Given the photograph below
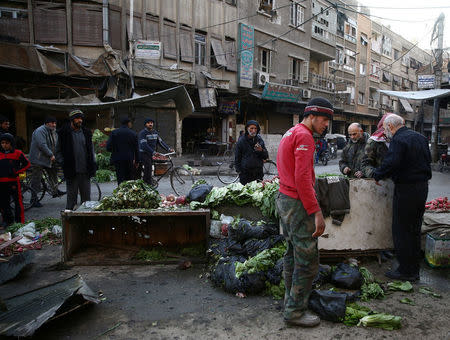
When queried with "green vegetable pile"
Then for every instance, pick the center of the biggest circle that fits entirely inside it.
(261, 261)
(131, 195)
(401, 286)
(105, 169)
(355, 312)
(275, 291)
(261, 195)
(104, 175)
(370, 289)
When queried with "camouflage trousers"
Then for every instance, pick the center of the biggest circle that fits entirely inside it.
(301, 261)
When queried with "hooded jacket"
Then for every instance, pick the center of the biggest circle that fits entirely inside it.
(12, 162)
(246, 157)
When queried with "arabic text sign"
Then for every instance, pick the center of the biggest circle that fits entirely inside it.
(282, 93)
(246, 41)
(147, 49)
(425, 82)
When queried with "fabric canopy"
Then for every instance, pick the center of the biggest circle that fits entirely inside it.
(418, 95)
(178, 94)
(406, 105)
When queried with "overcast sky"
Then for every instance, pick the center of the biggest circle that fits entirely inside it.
(413, 24)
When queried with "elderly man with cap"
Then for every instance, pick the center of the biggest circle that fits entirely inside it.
(353, 153)
(43, 157)
(123, 145)
(76, 154)
(149, 139)
(250, 154)
(300, 215)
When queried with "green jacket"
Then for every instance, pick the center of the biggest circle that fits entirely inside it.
(374, 155)
(352, 155)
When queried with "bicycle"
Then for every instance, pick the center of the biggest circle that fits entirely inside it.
(96, 193)
(227, 174)
(181, 179)
(28, 194)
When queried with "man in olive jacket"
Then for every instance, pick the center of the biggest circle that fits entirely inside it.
(353, 153)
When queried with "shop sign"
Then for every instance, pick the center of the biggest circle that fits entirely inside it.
(425, 81)
(245, 53)
(146, 49)
(207, 97)
(228, 107)
(282, 93)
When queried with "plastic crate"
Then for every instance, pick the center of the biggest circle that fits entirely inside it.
(437, 248)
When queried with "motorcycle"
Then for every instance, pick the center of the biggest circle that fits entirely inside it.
(324, 157)
(333, 151)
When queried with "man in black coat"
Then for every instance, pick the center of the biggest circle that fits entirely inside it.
(76, 153)
(123, 145)
(407, 162)
(250, 154)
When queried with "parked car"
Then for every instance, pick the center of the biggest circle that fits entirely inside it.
(341, 140)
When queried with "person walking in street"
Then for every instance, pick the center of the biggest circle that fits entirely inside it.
(408, 163)
(4, 125)
(149, 139)
(76, 154)
(250, 154)
(123, 145)
(375, 150)
(353, 153)
(43, 158)
(301, 218)
(12, 163)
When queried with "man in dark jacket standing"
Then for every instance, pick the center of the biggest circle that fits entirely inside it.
(76, 153)
(123, 144)
(250, 154)
(407, 162)
(353, 153)
(149, 139)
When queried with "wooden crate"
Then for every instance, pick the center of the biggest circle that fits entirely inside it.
(114, 237)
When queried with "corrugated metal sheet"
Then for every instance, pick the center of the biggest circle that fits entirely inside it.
(87, 24)
(50, 23)
(27, 312)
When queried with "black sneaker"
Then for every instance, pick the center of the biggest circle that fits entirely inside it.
(396, 275)
(37, 205)
(59, 193)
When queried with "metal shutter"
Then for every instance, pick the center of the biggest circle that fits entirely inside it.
(87, 24)
(50, 23)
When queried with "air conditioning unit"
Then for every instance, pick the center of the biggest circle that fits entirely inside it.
(262, 78)
(307, 94)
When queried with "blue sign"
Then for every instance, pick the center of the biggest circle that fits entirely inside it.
(245, 53)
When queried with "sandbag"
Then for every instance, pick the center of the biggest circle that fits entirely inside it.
(329, 305)
(346, 276)
(199, 193)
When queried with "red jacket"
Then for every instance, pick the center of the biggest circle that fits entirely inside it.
(295, 163)
(11, 164)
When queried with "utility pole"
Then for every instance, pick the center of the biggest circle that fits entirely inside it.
(438, 33)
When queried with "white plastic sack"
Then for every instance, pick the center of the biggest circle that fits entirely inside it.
(57, 230)
(226, 219)
(215, 229)
(28, 230)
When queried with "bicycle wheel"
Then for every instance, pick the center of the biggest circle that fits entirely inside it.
(270, 169)
(181, 181)
(226, 173)
(324, 160)
(28, 197)
(96, 193)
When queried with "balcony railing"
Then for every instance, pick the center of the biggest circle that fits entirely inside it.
(321, 82)
(372, 103)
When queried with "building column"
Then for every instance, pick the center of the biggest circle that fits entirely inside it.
(20, 117)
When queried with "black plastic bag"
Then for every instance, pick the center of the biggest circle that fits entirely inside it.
(328, 304)
(245, 230)
(275, 274)
(224, 275)
(226, 247)
(199, 192)
(346, 276)
(253, 283)
(255, 246)
(323, 276)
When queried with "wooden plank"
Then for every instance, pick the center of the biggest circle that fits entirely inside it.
(138, 213)
(7, 243)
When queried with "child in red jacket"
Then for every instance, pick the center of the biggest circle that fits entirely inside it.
(12, 163)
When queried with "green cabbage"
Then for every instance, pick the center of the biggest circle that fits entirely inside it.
(381, 320)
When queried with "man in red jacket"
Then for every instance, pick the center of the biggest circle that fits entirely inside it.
(300, 215)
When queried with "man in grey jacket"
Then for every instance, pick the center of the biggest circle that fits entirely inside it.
(42, 157)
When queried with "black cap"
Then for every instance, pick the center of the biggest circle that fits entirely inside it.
(3, 119)
(149, 120)
(50, 120)
(124, 120)
(7, 136)
(319, 107)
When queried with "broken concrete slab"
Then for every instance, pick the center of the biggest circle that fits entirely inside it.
(27, 312)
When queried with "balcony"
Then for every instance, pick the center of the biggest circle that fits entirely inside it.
(321, 82)
(372, 103)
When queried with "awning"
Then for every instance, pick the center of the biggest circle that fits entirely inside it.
(418, 95)
(406, 105)
(178, 94)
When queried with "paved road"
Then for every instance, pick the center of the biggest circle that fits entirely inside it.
(439, 186)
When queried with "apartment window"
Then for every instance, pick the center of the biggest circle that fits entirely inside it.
(265, 57)
(349, 60)
(341, 17)
(375, 70)
(200, 48)
(364, 41)
(339, 59)
(386, 46)
(376, 42)
(362, 69)
(298, 70)
(350, 31)
(396, 54)
(266, 5)
(297, 14)
(361, 98)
